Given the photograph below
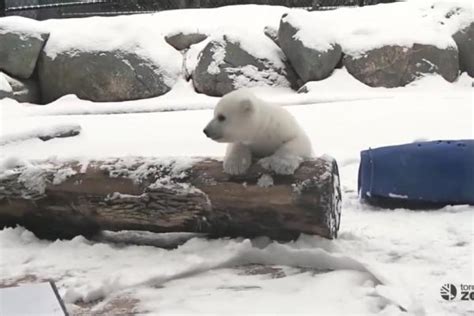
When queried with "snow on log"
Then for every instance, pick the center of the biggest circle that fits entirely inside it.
(62, 199)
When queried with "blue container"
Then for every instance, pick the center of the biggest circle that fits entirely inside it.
(418, 175)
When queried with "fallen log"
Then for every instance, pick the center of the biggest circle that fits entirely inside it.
(62, 199)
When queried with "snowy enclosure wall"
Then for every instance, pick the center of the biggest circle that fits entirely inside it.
(143, 56)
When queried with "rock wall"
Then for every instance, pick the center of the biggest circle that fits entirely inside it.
(35, 67)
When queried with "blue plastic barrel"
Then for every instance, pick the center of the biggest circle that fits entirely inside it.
(418, 175)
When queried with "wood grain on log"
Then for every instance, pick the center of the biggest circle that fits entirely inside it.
(65, 199)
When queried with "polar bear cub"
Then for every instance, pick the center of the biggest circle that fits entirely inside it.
(255, 129)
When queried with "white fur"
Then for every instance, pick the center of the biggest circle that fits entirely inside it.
(256, 129)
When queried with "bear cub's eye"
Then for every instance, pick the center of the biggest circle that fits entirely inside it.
(221, 118)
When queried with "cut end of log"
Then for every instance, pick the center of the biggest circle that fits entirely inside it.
(65, 199)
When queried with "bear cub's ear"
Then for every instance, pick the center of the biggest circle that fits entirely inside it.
(246, 105)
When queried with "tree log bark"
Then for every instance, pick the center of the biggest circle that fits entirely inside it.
(64, 199)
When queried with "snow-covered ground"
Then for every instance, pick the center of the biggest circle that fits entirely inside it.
(384, 261)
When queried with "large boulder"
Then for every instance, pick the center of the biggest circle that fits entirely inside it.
(226, 64)
(22, 90)
(102, 76)
(395, 66)
(182, 41)
(465, 41)
(21, 41)
(311, 62)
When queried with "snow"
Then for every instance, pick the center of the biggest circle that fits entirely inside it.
(98, 34)
(62, 174)
(257, 45)
(139, 168)
(260, 46)
(215, 267)
(22, 26)
(47, 130)
(191, 57)
(360, 29)
(383, 261)
(218, 55)
(144, 34)
(265, 181)
(33, 179)
(250, 76)
(4, 84)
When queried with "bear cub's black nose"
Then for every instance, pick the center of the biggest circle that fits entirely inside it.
(206, 132)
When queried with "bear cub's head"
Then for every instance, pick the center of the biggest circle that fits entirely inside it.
(234, 118)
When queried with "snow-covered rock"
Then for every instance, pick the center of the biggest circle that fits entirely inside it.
(311, 62)
(384, 31)
(465, 41)
(271, 33)
(181, 41)
(231, 62)
(98, 59)
(395, 66)
(22, 90)
(21, 41)
(102, 76)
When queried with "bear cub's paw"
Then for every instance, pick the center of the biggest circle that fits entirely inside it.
(284, 165)
(236, 165)
(237, 160)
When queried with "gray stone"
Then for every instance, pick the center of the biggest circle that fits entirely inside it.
(19, 51)
(310, 64)
(101, 76)
(465, 41)
(22, 90)
(396, 66)
(303, 89)
(181, 41)
(225, 66)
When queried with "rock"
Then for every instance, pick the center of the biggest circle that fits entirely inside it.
(303, 89)
(113, 75)
(309, 63)
(272, 34)
(225, 65)
(21, 41)
(182, 41)
(22, 90)
(465, 41)
(396, 66)
(316, 5)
